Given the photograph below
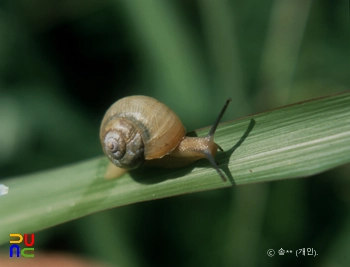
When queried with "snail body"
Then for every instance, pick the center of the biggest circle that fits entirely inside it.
(141, 130)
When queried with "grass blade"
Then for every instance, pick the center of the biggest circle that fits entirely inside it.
(293, 141)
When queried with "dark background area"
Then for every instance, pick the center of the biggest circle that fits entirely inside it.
(63, 63)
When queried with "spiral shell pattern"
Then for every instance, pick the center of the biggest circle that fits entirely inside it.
(139, 128)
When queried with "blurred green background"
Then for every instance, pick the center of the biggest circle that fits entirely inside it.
(63, 63)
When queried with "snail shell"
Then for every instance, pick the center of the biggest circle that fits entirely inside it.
(139, 128)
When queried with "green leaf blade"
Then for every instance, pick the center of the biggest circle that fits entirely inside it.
(293, 141)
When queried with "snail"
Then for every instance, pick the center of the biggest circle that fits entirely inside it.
(140, 130)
